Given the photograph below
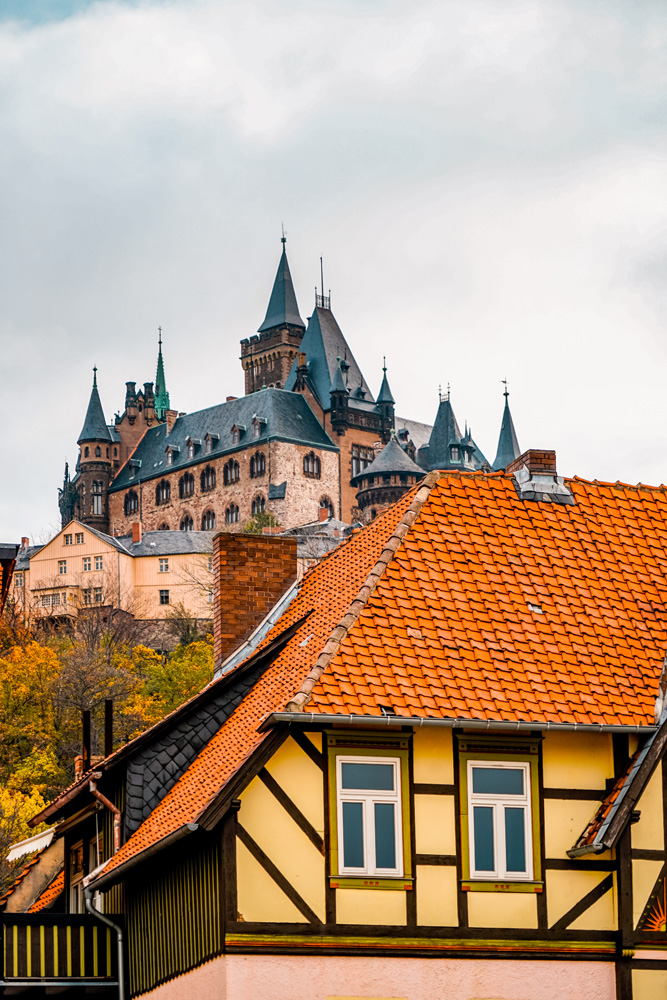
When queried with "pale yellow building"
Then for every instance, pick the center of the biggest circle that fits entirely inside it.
(144, 574)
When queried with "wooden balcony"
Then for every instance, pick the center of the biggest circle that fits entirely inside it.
(42, 951)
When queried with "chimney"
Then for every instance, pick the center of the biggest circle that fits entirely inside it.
(25, 542)
(136, 532)
(251, 573)
(324, 514)
(230, 399)
(170, 417)
(536, 477)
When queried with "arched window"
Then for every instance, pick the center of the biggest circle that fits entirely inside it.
(312, 467)
(191, 450)
(208, 446)
(257, 465)
(115, 453)
(131, 503)
(186, 485)
(98, 488)
(163, 492)
(232, 514)
(258, 505)
(207, 479)
(163, 527)
(98, 452)
(170, 457)
(231, 472)
(86, 452)
(187, 524)
(326, 504)
(208, 521)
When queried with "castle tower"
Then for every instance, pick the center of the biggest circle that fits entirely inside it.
(385, 480)
(508, 445)
(267, 358)
(94, 465)
(447, 447)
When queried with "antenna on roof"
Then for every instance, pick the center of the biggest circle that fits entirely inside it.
(448, 391)
(506, 392)
(94, 376)
(322, 276)
(384, 364)
(440, 393)
(283, 238)
(159, 335)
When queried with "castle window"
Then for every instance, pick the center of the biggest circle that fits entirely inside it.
(107, 452)
(131, 503)
(257, 465)
(62, 566)
(191, 450)
(68, 539)
(187, 524)
(164, 565)
(231, 472)
(78, 538)
(86, 564)
(86, 452)
(361, 458)
(164, 597)
(163, 527)
(232, 514)
(115, 453)
(312, 466)
(97, 497)
(258, 505)
(98, 452)
(186, 485)
(98, 562)
(208, 446)
(256, 429)
(170, 457)
(454, 452)
(208, 521)
(163, 492)
(207, 479)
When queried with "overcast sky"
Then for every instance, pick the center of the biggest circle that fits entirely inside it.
(486, 180)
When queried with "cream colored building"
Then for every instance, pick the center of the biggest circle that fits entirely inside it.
(144, 574)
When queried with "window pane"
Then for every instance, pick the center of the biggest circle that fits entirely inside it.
(483, 824)
(353, 835)
(379, 777)
(385, 835)
(497, 780)
(515, 839)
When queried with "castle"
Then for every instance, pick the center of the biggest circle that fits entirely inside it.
(308, 439)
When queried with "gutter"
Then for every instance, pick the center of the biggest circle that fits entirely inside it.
(323, 719)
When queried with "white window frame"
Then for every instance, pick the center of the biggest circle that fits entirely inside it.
(99, 562)
(163, 565)
(62, 567)
(369, 797)
(498, 803)
(86, 564)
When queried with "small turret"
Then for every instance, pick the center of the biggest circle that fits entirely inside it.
(94, 464)
(385, 404)
(508, 445)
(385, 480)
(161, 401)
(68, 499)
(339, 400)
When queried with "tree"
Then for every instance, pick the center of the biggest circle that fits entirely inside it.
(264, 519)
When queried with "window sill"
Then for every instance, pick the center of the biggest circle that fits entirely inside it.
(364, 882)
(473, 885)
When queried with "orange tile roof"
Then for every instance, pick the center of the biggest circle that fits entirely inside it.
(464, 602)
(17, 881)
(50, 894)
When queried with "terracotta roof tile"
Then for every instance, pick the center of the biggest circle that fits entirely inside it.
(50, 894)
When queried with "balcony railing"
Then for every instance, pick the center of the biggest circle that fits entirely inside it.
(51, 948)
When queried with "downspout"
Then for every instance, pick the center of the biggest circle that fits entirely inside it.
(88, 895)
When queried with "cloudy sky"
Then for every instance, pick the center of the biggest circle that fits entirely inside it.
(486, 180)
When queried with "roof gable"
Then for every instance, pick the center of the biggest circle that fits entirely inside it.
(323, 344)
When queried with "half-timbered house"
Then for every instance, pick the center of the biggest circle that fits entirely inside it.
(433, 768)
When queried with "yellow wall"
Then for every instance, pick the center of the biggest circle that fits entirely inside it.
(648, 833)
(564, 821)
(502, 909)
(370, 906)
(297, 775)
(649, 985)
(577, 760)
(433, 756)
(435, 824)
(566, 888)
(436, 889)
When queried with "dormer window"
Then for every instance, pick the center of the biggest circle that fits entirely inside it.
(170, 457)
(191, 450)
(455, 453)
(171, 450)
(210, 441)
(238, 430)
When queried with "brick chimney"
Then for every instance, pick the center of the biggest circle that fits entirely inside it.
(537, 478)
(250, 572)
(324, 514)
(137, 532)
(170, 418)
(25, 542)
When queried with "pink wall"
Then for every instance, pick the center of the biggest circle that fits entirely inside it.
(285, 977)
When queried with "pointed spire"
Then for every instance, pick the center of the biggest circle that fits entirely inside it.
(384, 395)
(508, 445)
(283, 309)
(161, 394)
(94, 426)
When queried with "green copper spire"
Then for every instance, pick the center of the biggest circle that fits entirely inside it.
(161, 394)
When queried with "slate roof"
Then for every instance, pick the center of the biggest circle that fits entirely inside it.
(461, 604)
(288, 418)
(282, 309)
(385, 395)
(94, 426)
(323, 343)
(25, 555)
(508, 445)
(392, 459)
(446, 432)
(418, 431)
(168, 543)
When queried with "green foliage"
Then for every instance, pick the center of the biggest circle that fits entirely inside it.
(256, 525)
